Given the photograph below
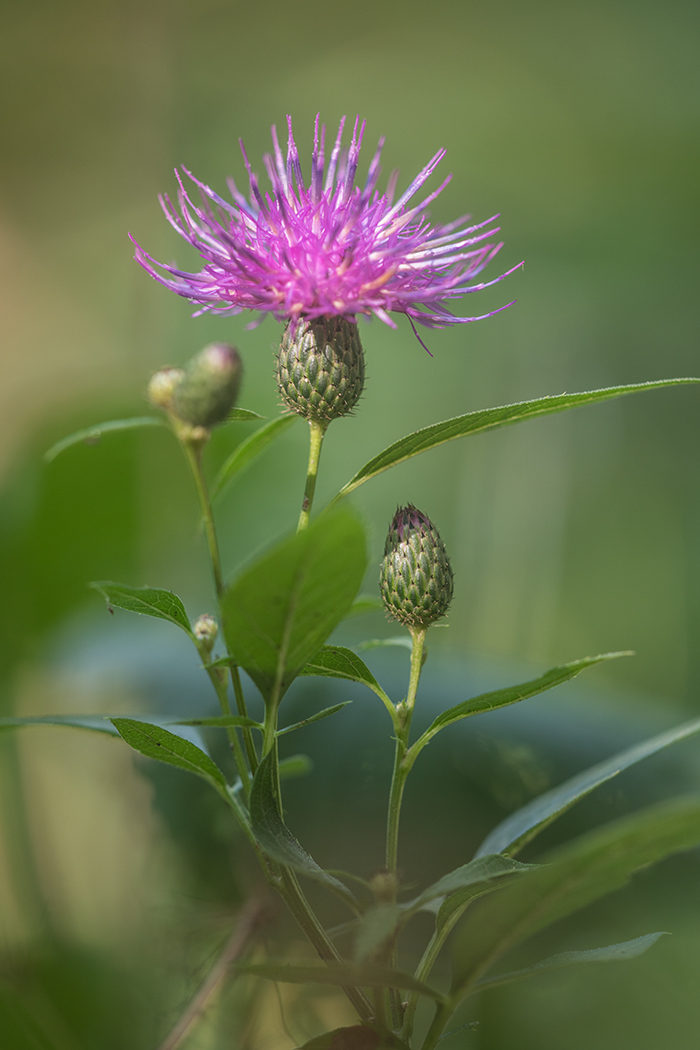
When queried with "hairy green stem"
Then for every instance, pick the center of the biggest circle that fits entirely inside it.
(193, 454)
(317, 432)
(398, 783)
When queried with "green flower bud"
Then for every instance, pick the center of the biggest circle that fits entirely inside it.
(162, 386)
(321, 368)
(209, 387)
(205, 630)
(416, 581)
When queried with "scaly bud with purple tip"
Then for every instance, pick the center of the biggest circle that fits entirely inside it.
(209, 388)
(321, 368)
(416, 581)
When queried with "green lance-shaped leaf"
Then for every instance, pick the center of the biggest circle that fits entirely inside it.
(279, 612)
(242, 415)
(95, 723)
(478, 874)
(273, 835)
(335, 661)
(570, 877)
(367, 975)
(401, 641)
(149, 601)
(295, 766)
(218, 722)
(503, 697)
(314, 718)
(489, 419)
(244, 454)
(621, 952)
(520, 827)
(156, 742)
(92, 435)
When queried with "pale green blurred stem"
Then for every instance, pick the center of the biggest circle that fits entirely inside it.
(402, 725)
(317, 432)
(426, 964)
(193, 454)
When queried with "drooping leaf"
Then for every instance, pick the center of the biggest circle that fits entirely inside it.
(242, 415)
(612, 953)
(149, 601)
(489, 419)
(314, 718)
(159, 743)
(571, 877)
(364, 603)
(511, 695)
(218, 722)
(403, 641)
(520, 827)
(92, 435)
(244, 454)
(295, 766)
(279, 612)
(96, 723)
(376, 928)
(368, 975)
(274, 836)
(335, 661)
(475, 873)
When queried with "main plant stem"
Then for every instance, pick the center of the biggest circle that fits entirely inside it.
(426, 964)
(402, 724)
(317, 432)
(193, 453)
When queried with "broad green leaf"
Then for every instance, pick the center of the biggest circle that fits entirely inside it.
(219, 722)
(365, 603)
(571, 877)
(314, 718)
(489, 419)
(242, 415)
(274, 836)
(246, 452)
(96, 723)
(613, 953)
(503, 697)
(403, 641)
(335, 661)
(149, 601)
(376, 928)
(295, 766)
(358, 1036)
(278, 613)
(156, 742)
(369, 975)
(478, 871)
(92, 435)
(520, 827)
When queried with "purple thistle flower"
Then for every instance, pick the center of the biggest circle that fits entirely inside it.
(331, 248)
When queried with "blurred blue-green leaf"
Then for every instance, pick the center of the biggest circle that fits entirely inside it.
(92, 435)
(244, 454)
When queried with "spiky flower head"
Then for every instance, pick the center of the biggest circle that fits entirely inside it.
(326, 248)
(321, 368)
(415, 581)
(209, 388)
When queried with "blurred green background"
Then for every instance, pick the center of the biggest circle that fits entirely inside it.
(578, 122)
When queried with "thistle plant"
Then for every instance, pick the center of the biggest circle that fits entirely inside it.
(318, 255)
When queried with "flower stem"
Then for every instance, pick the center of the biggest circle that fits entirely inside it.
(317, 432)
(193, 454)
(426, 964)
(404, 714)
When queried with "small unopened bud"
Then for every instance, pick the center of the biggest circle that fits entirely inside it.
(321, 368)
(416, 580)
(205, 630)
(162, 386)
(209, 387)
(384, 886)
